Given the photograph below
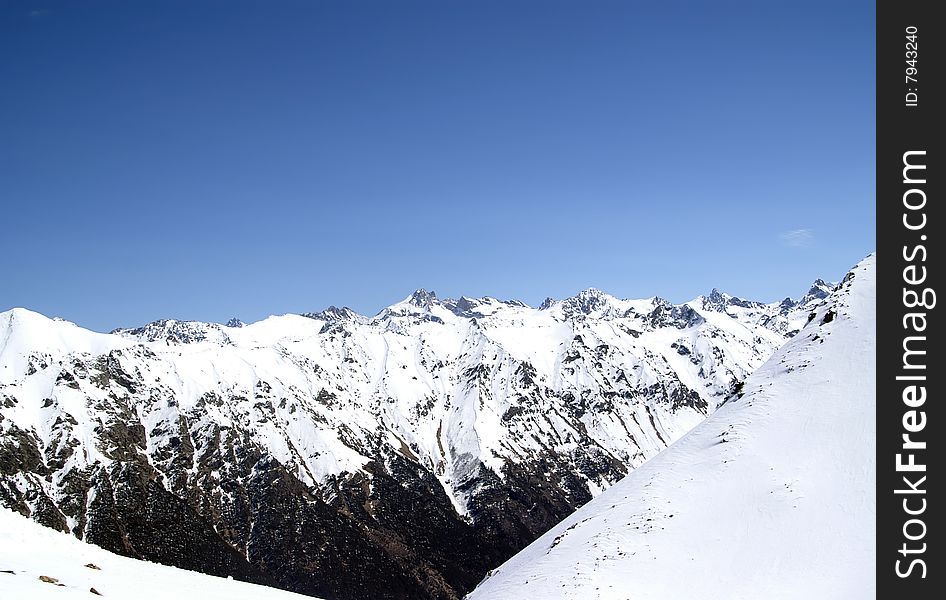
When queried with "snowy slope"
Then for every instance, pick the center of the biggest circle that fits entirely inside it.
(29, 551)
(770, 497)
(432, 440)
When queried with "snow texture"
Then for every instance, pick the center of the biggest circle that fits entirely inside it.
(29, 551)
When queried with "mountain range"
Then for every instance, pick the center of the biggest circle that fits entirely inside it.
(403, 455)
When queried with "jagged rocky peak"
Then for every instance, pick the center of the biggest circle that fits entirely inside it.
(586, 303)
(590, 300)
(465, 307)
(719, 301)
(180, 332)
(475, 308)
(716, 300)
(418, 307)
(425, 305)
(334, 314)
(465, 303)
(235, 323)
(423, 299)
(819, 289)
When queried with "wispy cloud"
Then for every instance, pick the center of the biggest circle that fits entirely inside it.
(36, 14)
(798, 238)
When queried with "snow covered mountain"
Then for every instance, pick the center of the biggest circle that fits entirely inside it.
(394, 456)
(770, 497)
(37, 563)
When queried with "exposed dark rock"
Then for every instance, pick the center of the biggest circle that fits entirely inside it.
(423, 299)
(668, 315)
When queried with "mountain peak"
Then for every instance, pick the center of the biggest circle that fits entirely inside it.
(819, 289)
(719, 301)
(23, 313)
(475, 308)
(172, 330)
(423, 298)
(333, 314)
(587, 301)
(463, 306)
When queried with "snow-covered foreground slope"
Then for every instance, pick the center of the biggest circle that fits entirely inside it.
(771, 497)
(29, 551)
(346, 456)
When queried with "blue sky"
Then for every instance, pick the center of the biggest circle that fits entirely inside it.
(205, 159)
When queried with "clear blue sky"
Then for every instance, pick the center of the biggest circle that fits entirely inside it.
(205, 160)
